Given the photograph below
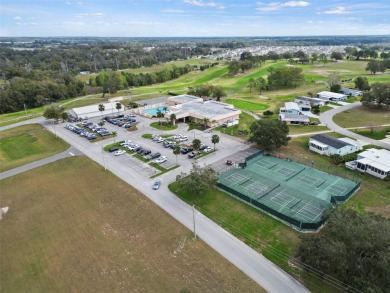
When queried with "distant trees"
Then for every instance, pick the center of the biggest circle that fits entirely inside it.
(376, 66)
(378, 95)
(336, 55)
(353, 248)
(269, 134)
(207, 90)
(285, 77)
(362, 84)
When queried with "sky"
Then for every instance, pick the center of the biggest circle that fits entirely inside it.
(192, 18)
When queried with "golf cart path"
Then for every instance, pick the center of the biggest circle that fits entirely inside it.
(68, 153)
(326, 118)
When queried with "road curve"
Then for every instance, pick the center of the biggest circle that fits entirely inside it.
(326, 118)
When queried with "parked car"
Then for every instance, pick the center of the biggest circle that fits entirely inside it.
(184, 138)
(160, 140)
(203, 147)
(208, 149)
(161, 160)
(156, 184)
(114, 149)
(119, 152)
(193, 155)
(153, 156)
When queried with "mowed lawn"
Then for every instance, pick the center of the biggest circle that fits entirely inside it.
(28, 143)
(73, 227)
(363, 116)
(245, 105)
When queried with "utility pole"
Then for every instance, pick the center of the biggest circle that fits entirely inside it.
(104, 162)
(54, 126)
(193, 216)
(25, 109)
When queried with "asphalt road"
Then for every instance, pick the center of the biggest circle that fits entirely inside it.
(265, 273)
(326, 118)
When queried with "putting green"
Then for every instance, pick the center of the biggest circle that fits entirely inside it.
(245, 105)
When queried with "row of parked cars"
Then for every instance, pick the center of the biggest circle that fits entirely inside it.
(146, 153)
(96, 128)
(167, 143)
(121, 120)
(83, 132)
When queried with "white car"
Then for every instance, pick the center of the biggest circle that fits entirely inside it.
(119, 153)
(161, 160)
(208, 149)
(126, 142)
(177, 136)
(133, 147)
(184, 138)
(160, 140)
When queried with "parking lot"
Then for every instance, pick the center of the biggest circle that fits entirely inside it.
(225, 148)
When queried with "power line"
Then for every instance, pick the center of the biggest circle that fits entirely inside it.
(285, 257)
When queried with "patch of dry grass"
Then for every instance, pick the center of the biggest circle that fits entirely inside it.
(363, 116)
(72, 227)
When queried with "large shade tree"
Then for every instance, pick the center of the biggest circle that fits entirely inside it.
(269, 134)
(353, 248)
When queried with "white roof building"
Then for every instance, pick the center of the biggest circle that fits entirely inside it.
(330, 96)
(93, 110)
(374, 162)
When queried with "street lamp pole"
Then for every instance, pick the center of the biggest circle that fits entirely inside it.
(193, 217)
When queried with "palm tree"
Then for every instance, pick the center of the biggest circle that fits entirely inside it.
(215, 140)
(159, 116)
(205, 120)
(114, 134)
(176, 152)
(118, 106)
(101, 109)
(173, 118)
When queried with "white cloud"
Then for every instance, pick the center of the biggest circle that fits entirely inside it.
(273, 6)
(172, 11)
(97, 14)
(17, 18)
(200, 3)
(67, 3)
(337, 10)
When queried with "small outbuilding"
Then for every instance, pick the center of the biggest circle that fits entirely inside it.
(327, 145)
(312, 101)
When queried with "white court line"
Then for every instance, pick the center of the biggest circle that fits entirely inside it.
(342, 188)
(303, 208)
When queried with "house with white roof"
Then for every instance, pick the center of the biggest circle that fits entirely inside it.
(327, 145)
(93, 111)
(330, 96)
(351, 92)
(310, 100)
(292, 113)
(372, 161)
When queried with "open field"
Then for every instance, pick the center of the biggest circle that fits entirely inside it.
(26, 144)
(363, 116)
(245, 105)
(95, 233)
(377, 133)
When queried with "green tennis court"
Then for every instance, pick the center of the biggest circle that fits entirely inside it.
(296, 194)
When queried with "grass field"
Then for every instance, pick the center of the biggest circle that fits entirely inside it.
(28, 143)
(95, 233)
(245, 105)
(363, 116)
(375, 133)
(163, 126)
